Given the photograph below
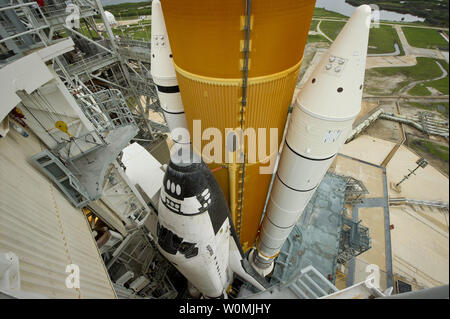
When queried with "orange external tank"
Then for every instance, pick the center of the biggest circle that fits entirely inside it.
(237, 64)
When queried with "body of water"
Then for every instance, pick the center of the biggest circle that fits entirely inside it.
(339, 6)
(342, 7)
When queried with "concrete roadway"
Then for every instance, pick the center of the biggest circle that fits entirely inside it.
(409, 50)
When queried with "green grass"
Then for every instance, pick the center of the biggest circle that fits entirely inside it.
(130, 9)
(314, 24)
(316, 38)
(437, 151)
(441, 85)
(424, 38)
(331, 28)
(134, 31)
(425, 69)
(382, 40)
(419, 90)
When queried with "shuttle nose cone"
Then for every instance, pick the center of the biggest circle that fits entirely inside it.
(183, 158)
(188, 176)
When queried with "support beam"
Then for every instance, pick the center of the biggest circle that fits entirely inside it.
(90, 40)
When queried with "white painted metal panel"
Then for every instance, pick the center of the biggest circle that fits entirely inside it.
(143, 169)
(164, 76)
(28, 73)
(43, 229)
(51, 103)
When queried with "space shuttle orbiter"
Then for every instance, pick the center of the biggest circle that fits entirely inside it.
(195, 232)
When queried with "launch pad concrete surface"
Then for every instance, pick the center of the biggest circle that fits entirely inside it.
(418, 235)
(370, 176)
(373, 217)
(372, 210)
(420, 248)
(428, 183)
(369, 149)
(420, 238)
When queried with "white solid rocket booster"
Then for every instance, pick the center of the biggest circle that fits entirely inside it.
(163, 73)
(321, 121)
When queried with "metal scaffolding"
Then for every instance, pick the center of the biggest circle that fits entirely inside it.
(354, 191)
(108, 78)
(354, 240)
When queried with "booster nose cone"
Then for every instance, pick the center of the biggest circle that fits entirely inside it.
(163, 71)
(335, 88)
(331, 98)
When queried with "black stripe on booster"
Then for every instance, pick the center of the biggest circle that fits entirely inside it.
(308, 158)
(182, 112)
(168, 89)
(295, 190)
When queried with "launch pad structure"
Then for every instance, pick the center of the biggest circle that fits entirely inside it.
(101, 90)
(80, 106)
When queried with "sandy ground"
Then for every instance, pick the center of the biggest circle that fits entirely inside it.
(383, 129)
(387, 130)
(390, 61)
(382, 85)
